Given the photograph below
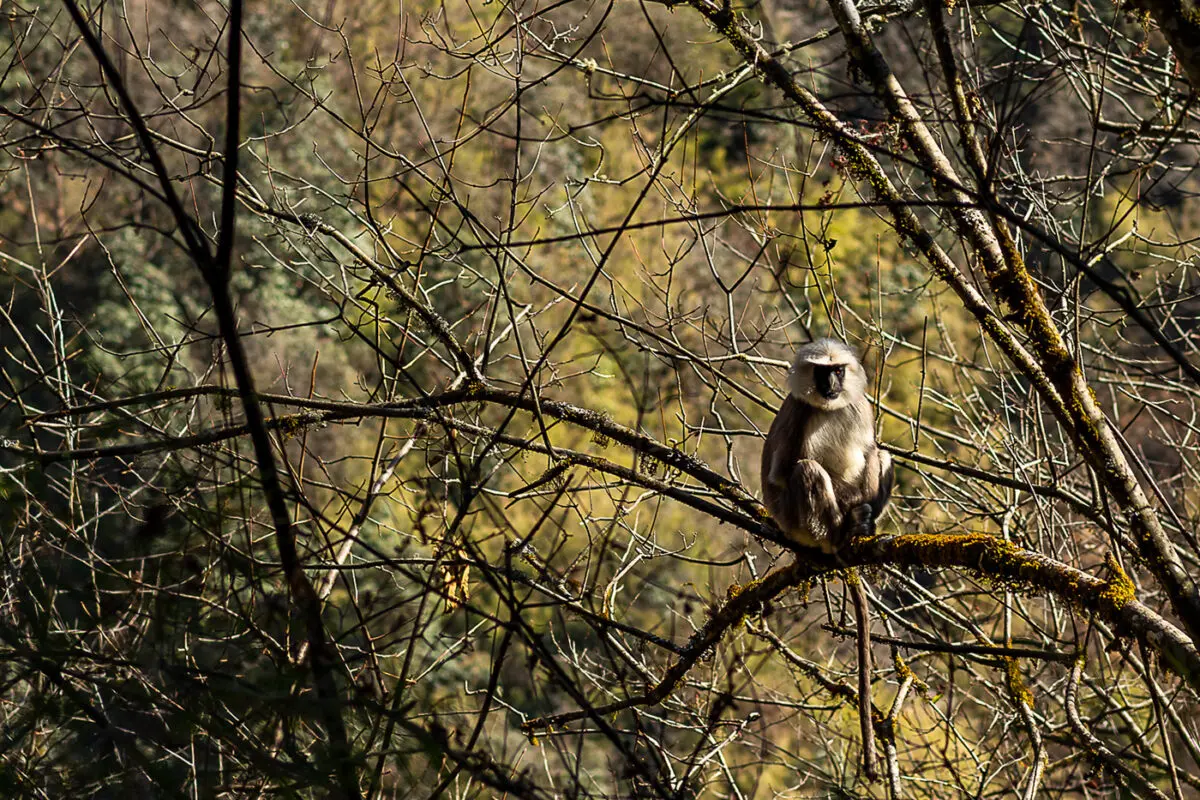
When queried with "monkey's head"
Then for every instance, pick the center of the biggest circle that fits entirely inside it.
(827, 375)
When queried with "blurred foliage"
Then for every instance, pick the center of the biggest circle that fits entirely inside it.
(607, 209)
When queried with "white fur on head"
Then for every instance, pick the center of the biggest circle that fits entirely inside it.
(828, 353)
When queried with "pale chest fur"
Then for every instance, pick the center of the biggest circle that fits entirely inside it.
(839, 441)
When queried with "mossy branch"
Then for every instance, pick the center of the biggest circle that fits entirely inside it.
(1009, 278)
(1111, 599)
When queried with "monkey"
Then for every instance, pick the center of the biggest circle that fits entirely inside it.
(825, 479)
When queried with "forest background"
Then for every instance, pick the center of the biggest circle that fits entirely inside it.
(382, 387)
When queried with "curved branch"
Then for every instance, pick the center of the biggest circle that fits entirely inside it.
(324, 411)
(1112, 600)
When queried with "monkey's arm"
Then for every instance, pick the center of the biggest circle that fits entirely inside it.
(798, 493)
(805, 506)
(782, 448)
(887, 479)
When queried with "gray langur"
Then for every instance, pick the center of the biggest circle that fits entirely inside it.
(824, 478)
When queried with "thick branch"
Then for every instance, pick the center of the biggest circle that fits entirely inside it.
(1112, 600)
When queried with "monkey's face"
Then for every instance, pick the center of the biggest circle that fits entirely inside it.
(827, 380)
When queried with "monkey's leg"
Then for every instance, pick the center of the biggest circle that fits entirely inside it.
(858, 524)
(811, 500)
(865, 504)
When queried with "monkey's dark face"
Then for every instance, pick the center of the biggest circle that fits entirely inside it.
(827, 375)
(829, 380)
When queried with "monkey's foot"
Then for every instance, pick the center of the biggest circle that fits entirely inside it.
(859, 523)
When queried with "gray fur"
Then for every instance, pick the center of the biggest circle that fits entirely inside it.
(820, 461)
